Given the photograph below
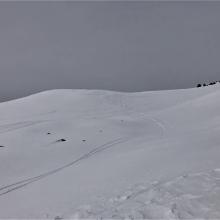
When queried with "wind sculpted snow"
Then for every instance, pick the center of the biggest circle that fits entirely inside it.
(103, 154)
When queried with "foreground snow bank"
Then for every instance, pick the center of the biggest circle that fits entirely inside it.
(190, 196)
(102, 154)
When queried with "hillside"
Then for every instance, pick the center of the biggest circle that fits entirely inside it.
(104, 154)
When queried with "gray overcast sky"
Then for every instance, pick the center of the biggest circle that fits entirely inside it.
(125, 46)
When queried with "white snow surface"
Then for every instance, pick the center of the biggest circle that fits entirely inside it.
(126, 155)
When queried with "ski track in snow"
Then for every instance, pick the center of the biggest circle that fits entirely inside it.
(15, 126)
(191, 196)
(20, 184)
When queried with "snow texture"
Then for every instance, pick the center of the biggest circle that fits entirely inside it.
(102, 154)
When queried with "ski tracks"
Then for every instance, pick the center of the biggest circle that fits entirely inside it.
(15, 126)
(20, 184)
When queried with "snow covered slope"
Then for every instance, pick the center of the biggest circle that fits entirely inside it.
(102, 154)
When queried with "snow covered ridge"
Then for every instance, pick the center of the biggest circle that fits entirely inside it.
(102, 154)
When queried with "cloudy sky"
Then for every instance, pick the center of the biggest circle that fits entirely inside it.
(124, 46)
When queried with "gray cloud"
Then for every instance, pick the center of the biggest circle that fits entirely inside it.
(123, 46)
